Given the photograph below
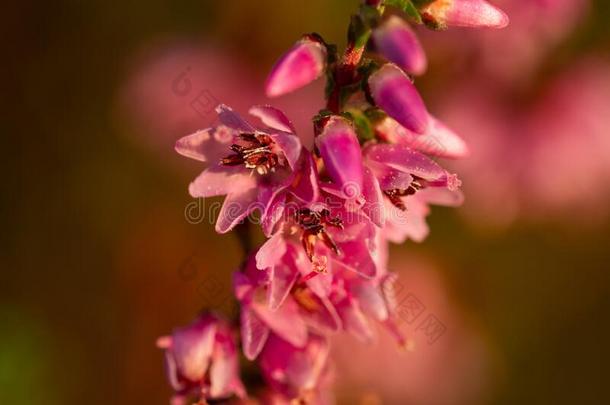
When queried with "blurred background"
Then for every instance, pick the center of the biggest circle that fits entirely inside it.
(98, 259)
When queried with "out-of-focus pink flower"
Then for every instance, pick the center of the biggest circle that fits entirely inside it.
(568, 140)
(295, 373)
(251, 166)
(393, 91)
(201, 360)
(464, 13)
(339, 148)
(301, 65)
(518, 166)
(396, 41)
(445, 359)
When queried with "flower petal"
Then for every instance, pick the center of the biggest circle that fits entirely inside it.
(231, 119)
(290, 146)
(393, 91)
(301, 65)
(339, 147)
(373, 206)
(192, 348)
(404, 159)
(235, 208)
(305, 181)
(398, 43)
(438, 140)
(207, 145)
(465, 13)
(286, 321)
(254, 333)
(220, 180)
(272, 251)
(273, 118)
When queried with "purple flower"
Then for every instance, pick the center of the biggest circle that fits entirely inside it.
(201, 360)
(340, 150)
(301, 65)
(398, 43)
(295, 372)
(254, 167)
(393, 92)
(464, 13)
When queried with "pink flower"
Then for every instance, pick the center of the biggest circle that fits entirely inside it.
(451, 370)
(340, 150)
(333, 233)
(409, 181)
(464, 13)
(393, 92)
(295, 372)
(301, 65)
(201, 359)
(253, 167)
(398, 43)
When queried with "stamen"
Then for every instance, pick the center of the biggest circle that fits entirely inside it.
(313, 224)
(395, 194)
(256, 154)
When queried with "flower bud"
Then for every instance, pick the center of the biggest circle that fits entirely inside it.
(393, 92)
(464, 13)
(398, 43)
(339, 147)
(301, 65)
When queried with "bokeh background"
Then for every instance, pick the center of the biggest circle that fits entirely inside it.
(98, 258)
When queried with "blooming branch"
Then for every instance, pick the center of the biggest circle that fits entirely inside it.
(328, 214)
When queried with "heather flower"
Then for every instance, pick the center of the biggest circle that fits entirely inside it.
(252, 166)
(301, 65)
(396, 40)
(410, 182)
(464, 13)
(201, 360)
(331, 233)
(394, 92)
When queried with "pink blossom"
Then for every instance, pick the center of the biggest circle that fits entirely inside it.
(393, 91)
(301, 65)
(396, 41)
(201, 360)
(410, 182)
(464, 13)
(253, 167)
(330, 232)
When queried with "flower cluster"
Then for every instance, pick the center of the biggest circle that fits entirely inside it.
(329, 213)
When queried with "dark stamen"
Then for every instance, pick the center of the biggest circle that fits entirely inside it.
(313, 224)
(395, 194)
(255, 153)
